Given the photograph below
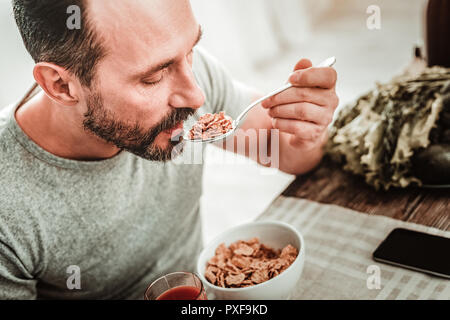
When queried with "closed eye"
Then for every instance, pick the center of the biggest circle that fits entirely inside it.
(155, 79)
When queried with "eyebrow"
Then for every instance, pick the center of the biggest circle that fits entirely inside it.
(166, 64)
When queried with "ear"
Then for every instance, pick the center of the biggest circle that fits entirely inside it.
(58, 83)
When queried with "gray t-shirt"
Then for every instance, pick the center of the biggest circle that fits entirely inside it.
(123, 221)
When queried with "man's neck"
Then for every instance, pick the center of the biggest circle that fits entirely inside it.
(58, 130)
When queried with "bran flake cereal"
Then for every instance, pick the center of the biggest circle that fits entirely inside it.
(247, 263)
(210, 126)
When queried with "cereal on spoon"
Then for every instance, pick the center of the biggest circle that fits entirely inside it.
(210, 126)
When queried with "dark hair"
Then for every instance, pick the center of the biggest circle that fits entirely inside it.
(43, 26)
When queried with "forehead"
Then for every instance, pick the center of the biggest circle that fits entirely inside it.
(138, 32)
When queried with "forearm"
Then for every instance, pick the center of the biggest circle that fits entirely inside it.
(258, 140)
(290, 159)
(272, 149)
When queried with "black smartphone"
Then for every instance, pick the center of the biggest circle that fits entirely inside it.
(417, 251)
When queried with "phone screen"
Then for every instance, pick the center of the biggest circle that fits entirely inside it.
(416, 250)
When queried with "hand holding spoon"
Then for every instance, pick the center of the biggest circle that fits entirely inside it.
(238, 121)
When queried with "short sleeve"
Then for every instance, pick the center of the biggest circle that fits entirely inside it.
(15, 281)
(222, 92)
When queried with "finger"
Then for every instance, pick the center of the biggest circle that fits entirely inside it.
(303, 64)
(314, 77)
(303, 130)
(322, 97)
(303, 111)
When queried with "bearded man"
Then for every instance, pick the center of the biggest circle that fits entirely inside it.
(88, 181)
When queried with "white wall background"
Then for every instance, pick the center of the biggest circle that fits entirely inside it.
(260, 41)
(15, 62)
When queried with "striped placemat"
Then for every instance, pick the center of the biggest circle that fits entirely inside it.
(339, 245)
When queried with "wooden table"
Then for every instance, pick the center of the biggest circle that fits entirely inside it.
(330, 184)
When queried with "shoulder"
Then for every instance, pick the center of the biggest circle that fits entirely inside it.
(6, 136)
(16, 221)
(222, 91)
(204, 63)
(22, 234)
(24, 228)
(10, 150)
(209, 72)
(5, 113)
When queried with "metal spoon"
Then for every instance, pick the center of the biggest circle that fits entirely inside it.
(238, 122)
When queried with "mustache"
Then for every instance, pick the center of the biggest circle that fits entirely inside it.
(129, 136)
(168, 122)
(174, 118)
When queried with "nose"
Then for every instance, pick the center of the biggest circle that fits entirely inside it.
(186, 93)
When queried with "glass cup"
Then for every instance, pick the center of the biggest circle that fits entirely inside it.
(176, 286)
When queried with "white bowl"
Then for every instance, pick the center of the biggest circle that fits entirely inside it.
(274, 234)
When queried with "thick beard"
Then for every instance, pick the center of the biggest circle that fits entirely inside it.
(131, 137)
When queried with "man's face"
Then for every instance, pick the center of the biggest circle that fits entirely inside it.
(144, 87)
